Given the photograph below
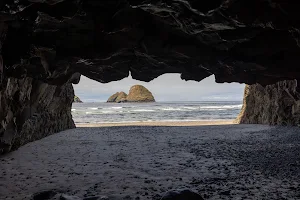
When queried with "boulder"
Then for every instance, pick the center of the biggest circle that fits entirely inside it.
(181, 195)
(139, 93)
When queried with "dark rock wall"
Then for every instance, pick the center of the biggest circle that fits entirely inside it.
(277, 104)
(31, 110)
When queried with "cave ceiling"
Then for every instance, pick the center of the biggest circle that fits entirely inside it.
(246, 41)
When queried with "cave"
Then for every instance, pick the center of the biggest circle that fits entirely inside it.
(43, 52)
(46, 45)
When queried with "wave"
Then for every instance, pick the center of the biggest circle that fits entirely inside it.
(191, 108)
(91, 108)
(116, 107)
(107, 111)
(171, 109)
(209, 109)
(73, 109)
(223, 107)
(143, 110)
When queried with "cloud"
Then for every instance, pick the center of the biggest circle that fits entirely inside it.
(168, 87)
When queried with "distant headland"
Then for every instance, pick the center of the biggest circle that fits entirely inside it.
(77, 100)
(137, 93)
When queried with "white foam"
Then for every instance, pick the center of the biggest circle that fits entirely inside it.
(171, 109)
(114, 122)
(93, 108)
(107, 111)
(116, 107)
(222, 107)
(73, 109)
(143, 110)
(191, 108)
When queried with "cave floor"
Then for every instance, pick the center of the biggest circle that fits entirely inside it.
(218, 162)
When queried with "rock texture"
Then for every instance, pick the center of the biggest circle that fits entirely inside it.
(122, 97)
(139, 93)
(77, 100)
(277, 104)
(118, 97)
(31, 110)
(113, 98)
(250, 41)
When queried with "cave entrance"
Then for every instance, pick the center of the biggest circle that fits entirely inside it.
(176, 101)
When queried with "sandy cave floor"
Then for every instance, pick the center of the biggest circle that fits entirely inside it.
(143, 162)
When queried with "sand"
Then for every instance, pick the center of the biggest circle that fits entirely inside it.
(143, 162)
(160, 123)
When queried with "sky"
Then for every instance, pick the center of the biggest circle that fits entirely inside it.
(167, 87)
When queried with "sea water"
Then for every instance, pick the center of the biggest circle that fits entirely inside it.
(153, 112)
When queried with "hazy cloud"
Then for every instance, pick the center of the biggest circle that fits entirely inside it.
(168, 87)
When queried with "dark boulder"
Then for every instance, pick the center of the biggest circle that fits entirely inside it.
(181, 195)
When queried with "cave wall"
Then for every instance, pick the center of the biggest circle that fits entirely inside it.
(277, 104)
(31, 110)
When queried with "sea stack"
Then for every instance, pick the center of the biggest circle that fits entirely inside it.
(137, 93)
(118, 97)
(77, 100)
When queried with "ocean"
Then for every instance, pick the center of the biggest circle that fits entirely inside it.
(153, 112)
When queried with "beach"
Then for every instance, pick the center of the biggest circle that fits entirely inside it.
(144, 162)
(158, 123)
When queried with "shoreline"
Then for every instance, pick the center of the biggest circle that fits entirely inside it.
(158, 123)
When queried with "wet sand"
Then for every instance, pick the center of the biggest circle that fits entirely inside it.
(160, 123)
(143, 162)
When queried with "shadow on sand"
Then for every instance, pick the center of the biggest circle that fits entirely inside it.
(144, 162)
